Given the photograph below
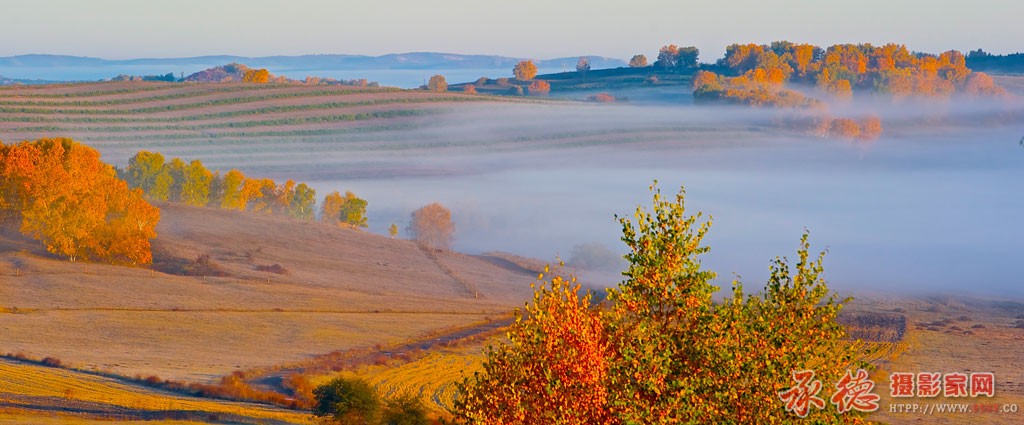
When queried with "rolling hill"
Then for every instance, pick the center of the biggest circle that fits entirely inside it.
(342, 289)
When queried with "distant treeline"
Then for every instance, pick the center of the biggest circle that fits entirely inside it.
(983, 61)
(193, 184)
(236, 72)
(759, 71)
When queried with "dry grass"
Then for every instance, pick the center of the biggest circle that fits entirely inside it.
(32, 386)
(943, 336)
(345, 289)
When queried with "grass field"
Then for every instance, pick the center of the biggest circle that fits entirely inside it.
(31, 388)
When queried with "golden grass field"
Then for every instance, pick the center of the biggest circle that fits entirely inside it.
(27, 387)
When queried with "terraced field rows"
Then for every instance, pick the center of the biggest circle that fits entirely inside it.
(120, 118)
(434, 377)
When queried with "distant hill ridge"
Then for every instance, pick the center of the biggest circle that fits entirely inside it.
(412, 60)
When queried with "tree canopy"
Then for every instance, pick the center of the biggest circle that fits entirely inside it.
(660, 351)
(525, 70)
(60, 193)
(432, 226)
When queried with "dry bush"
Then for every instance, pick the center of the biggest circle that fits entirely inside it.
(601, 98)
(51, 362)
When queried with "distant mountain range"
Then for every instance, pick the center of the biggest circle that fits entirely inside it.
(416, 60)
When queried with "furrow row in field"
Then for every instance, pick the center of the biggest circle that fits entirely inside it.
(136, 116)
(292, 121)
(187, 99)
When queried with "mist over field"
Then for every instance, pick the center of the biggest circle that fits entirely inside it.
(933, 205)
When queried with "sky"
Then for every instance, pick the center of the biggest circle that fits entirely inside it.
(540, 29)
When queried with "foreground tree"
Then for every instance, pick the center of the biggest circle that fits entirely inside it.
(525, 70)
(554, 368)
(432, 226)
(662, 352)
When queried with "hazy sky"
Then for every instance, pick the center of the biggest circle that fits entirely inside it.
(525, 28)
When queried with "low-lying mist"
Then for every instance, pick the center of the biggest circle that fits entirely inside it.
(934, 204)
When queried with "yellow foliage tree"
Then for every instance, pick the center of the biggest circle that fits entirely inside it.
(259, 76)
(525, 70)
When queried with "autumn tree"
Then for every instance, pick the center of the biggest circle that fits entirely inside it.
(667, 56)
(469, 89)
(539, 88)
(393, 230)
(583, 65)
(687, 57)
(661, 351)
(525, 70)
(259, 76)
(303, 202)
(437, 83)
(233, 182)
(553, 369)
(638, 61)
(432, 226)
(353, 211)
(349, 210)
(147, 171)
(64, 196)
(195, 189)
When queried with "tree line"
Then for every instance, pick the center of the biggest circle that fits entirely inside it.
(58, 192)
(193, 184)
(842, 69)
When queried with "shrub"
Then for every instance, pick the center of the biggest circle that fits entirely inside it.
(601, 98)
(51, 362)
(350, 401)
(539, 88)
(405, 410)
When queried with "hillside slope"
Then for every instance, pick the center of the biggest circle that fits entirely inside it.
(343, 288)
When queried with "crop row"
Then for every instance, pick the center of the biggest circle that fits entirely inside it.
(243, 124)
(184, 95)
(215, 115)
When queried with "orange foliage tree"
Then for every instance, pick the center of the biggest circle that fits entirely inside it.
(554, 368)
(539, 88)
(259, 76)
(65, 197)
(525, 70)
(437, 83)
(661, 351)
(432, 226)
